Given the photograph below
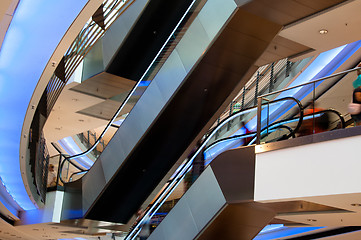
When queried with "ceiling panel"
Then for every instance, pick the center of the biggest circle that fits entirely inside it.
(104, 85)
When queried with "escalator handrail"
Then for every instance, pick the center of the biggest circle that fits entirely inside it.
(241, 136)
(186, 167)
(276, 125)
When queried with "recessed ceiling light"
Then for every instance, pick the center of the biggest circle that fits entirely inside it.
(323, 31)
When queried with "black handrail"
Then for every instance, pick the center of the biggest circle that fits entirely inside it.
(270, 127)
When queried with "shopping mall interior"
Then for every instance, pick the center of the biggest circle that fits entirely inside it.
(182, 119)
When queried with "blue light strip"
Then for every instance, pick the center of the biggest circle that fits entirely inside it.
(33, 35)
(284, 232)
(69, 145)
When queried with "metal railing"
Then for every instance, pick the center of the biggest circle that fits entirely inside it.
(312, 83)
(88, 138)
(41, 169)
(258, 83)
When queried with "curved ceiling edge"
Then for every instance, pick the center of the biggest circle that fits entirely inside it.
(38, 35)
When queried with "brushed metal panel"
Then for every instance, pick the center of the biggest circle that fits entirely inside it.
(205, 198)
(115, 35)
(235, 173)
(72, 202)
(110, 160)
(194, 42)
(92, 183)
(148, 107)
(169, 77)
(112, 39)
(193, 211)
(214, 14)
(93, 61)
(240, 221)
(180, 225)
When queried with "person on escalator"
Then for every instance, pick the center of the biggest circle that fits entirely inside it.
(197, 166)
(145, 231)
(247, 131)
(51, 176)
(354, 108)
(357, 82)
(356, 101)
(314, 124)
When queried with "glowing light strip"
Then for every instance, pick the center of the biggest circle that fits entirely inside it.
(34, 33)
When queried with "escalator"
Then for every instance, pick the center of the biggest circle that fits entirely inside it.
(221, 203)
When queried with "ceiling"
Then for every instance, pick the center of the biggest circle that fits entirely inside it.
(338, 21)
(7, 8)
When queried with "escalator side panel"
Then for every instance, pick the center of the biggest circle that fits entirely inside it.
(105, 49)
(193, 211)
(227, 173)
(213, 208)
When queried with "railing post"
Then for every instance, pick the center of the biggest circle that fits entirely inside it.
(271, 83)
(230, 113)
(259, 121)
(256, 91)
(58, 172)
(288, 66)
(313, 108)
(243, 96)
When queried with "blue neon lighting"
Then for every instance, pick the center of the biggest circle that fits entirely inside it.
(144, 83)
(284, 232)
(34, 33)
(69, 145)
(271, 227)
